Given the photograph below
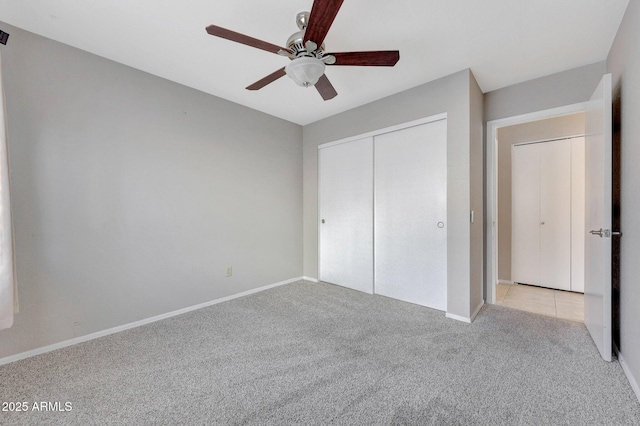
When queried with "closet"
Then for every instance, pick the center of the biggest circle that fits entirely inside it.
(382, 213)
(548, 214)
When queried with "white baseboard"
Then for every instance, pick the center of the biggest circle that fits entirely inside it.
(313, 280)
(477, 310)
(134, 324)
(458, 318)
(465, 319)
(627, 372)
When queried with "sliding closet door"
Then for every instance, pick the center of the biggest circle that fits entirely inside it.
(346, 214)
(410, 214)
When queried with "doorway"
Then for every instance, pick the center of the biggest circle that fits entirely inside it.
(600, 170)
(511, 281)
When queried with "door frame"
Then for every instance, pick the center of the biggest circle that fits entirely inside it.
(491, 156)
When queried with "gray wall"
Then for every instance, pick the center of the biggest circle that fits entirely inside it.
(449, 94)
(132, 194)
(552, 128)
(560, 89)
(624, 64)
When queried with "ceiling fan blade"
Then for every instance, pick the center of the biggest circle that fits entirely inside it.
(217, 31)
(323, 12)
(266, 80)
(325, 88)
(379, 58)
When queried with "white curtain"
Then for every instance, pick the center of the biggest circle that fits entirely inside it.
(8, 286)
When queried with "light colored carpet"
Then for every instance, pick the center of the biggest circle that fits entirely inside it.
(321, 354)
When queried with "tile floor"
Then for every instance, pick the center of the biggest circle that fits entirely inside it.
(544, 301)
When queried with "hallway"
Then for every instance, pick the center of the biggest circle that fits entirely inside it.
(544, 301)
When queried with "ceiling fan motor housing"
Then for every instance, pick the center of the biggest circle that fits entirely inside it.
(296, 45)
(306, 66)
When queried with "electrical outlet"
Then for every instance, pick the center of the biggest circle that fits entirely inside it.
(229, 271)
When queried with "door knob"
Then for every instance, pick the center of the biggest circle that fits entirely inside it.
(607, 233)
(322, 220)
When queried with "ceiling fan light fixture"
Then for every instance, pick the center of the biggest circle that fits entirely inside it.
(305, 71)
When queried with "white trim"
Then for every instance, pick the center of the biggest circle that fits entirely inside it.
(564, 138)
(458, 318)
(465, 319)
(492, 182)
(318, 217)
(98, 334)
(313, 280)
(632, 380)
(477, 311)
(418, 122)
(373, 214)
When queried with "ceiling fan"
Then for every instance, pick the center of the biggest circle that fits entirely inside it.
(307, 51)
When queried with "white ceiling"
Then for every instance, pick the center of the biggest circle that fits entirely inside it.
(503, 42)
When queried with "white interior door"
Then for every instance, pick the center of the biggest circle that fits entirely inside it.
(525, 214)
(346, 214)
(598, 194)
(410, 214)
(555, 214)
